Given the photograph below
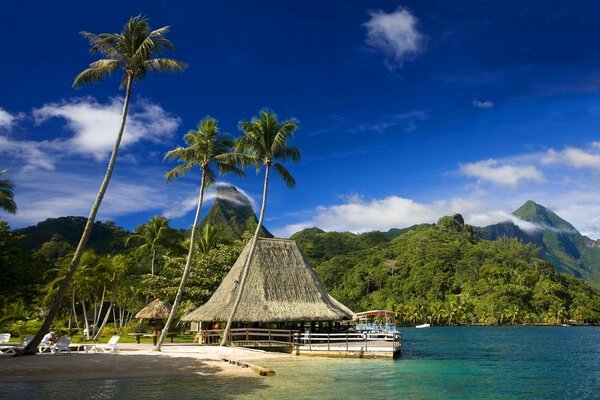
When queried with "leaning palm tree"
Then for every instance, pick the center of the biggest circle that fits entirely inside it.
(264, 141)
(133, 52)
(206, 148)
(7, 196)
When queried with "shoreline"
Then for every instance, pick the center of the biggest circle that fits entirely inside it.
(133, 361)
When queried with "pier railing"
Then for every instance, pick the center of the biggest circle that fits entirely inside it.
(348, 341)
(244, 336)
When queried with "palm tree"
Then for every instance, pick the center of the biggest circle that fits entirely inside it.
(211, 235)
(133, 52)
(205, 149)
(151, 235)
(264, 141)
(7, 195)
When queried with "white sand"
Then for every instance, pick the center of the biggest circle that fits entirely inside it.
(133, 360)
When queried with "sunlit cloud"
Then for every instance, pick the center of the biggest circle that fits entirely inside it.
(95, 125)
(503, 174)
(395, 34)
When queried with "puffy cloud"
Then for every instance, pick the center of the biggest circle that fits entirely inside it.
(395, 34)
(483, 104)
(509, 175)
(574, 157)
(95, 124)
(6, 119)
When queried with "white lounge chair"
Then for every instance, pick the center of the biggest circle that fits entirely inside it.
(62, 345)
(20, 346)
(110, 346)
(4, 338)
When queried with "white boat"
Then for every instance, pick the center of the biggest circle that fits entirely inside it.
(378, 324)
(423, 326)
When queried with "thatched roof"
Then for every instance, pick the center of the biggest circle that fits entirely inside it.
(280, 287)
(155, 310)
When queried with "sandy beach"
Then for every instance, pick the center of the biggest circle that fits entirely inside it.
(133, 361)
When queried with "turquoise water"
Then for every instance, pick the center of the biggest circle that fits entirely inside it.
(437, 363)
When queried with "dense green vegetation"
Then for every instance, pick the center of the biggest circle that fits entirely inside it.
(444, 274)
(558, 240)
(117, 283)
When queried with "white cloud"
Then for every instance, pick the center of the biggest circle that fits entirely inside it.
(6, 119)
(190, 202)
(70, 193)
(31, 155)
(574, 157)
(95, 125)
(509, 175)
(395, 34)
(483, 104)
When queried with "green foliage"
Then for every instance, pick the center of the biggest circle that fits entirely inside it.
(232, 213)
(559, 241)
(444, 275)
(7, 200)
(65, 232)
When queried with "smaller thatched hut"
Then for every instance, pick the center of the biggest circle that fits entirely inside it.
(281, 288)
(155, 311)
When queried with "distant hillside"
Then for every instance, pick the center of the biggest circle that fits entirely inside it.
(106, 237)
(233, 213)
(560, 242)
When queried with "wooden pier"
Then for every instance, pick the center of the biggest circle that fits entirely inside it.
(338, 345)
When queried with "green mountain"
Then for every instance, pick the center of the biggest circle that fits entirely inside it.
(560, 242)
(58, 236)
(444, 274)
(233, 213)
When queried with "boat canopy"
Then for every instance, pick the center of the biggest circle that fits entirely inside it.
(375, 313)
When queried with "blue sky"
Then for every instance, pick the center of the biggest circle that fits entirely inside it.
(408, 110)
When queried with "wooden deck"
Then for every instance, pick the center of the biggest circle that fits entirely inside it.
(339, 345)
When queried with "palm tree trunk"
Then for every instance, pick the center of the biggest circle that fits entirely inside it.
(86, 323)
(153, 259)
(104, 321)
(31, 348)
(249, 259)
(186, 270)
(75, 312)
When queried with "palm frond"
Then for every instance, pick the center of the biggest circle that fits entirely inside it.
(93, 75)
(165, 65)
(288, 179)
(178, 171)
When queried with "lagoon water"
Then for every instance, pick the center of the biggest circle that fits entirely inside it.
(437, 363)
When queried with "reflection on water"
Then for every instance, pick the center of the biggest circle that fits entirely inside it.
(437, 363)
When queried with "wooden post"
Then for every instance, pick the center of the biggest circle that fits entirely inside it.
(328, 341)
(247, 335)
(346, 340)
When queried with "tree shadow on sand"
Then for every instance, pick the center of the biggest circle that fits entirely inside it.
(114, 376)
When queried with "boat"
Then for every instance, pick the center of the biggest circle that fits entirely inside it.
(423, 326)
(378, 324)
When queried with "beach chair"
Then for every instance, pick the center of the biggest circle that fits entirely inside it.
(110, 346)
(62, 345)
(20, 346)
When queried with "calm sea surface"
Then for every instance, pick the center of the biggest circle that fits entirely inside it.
(437, 363)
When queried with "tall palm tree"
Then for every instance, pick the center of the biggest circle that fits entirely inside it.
(264, 142)
(206, 149)
(133, 52)
(7, 196)
(151, 235)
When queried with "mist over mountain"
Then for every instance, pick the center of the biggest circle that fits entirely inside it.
(233, 214)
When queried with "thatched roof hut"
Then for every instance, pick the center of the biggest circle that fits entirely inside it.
(281, 287)
(155, 310)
